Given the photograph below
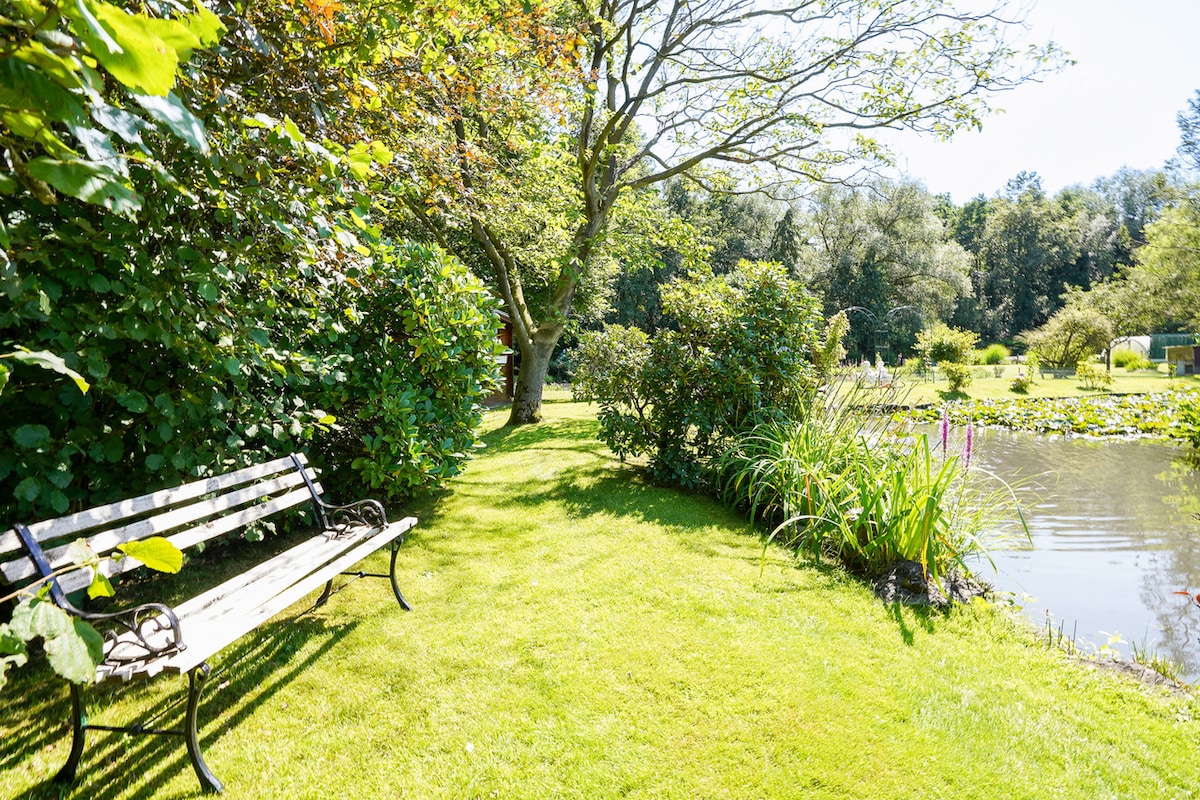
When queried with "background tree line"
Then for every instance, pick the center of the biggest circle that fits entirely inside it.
(899, 259)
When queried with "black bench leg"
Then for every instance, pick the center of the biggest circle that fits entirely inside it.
(392, 573)
(78, 732)
(324, 595)
(196, 680)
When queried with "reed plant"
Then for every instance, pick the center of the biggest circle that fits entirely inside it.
(850, 483)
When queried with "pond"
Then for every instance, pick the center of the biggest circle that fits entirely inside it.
(1115, 535)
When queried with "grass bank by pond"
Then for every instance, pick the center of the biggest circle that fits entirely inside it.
(995, 383)
(579, 633)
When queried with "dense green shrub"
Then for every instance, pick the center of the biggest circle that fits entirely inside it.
(993, 354)
(238, 316)
(418, 357)
(1022, 382)
(960, 376)
(744, 352)
(940, 343)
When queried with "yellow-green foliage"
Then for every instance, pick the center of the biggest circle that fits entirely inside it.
(1130, 360)
(1093, 376)
(959, 375)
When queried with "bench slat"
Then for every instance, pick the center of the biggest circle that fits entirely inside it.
(123, 509)
(75, 581)
(160, 524)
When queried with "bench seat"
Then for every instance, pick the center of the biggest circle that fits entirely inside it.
(215, 619)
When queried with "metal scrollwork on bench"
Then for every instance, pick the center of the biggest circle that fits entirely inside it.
(341, 520)
(138, 633)
(129, 641)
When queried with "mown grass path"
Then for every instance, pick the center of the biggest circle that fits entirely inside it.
(578, 633)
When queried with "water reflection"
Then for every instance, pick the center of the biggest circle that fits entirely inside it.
(1115, 534)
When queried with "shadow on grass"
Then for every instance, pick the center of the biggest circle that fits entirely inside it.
(247, 676)
(581, 434)
(949, 396)
(910, 617)
(34, 717)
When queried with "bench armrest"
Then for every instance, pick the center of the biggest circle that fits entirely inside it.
(138, 633)
(341, 519)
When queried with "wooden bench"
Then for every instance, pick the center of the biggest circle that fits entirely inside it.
(156, 639)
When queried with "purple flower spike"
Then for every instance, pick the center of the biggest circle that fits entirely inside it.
(945, 431)
(968, 446)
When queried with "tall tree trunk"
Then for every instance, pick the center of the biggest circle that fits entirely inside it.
(531, 378)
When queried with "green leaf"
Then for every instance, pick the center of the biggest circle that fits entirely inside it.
(134, 400)
(76, 654)
(174, 34)
(31, 437)
(28, 490)
(101, 586)
(81, 553)
(112, 449)
(128, 126)
(83, 14)
(206, 26)
(3, 377)
(59, 501)
(182, 122)
(9, 644)
(127, 45)
(156, 553)
(23, 86)
(47, 360)
(37, 617)
(155, 462)
(87, 181)
(292, 131)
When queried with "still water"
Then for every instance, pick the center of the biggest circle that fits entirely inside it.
(1114, 535)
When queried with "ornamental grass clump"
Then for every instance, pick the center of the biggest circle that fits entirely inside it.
(846, 483)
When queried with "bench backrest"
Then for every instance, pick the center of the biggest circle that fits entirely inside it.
(185, 515)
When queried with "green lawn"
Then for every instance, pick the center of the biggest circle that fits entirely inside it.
(579, 633)
(986, 385)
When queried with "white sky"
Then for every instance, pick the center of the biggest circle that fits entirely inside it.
(1138, 65)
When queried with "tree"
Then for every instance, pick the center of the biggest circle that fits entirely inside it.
(880, 250)
(1069, 337)
(1028, 244)
(1164, 282)
(1189, 129)
(666, 87)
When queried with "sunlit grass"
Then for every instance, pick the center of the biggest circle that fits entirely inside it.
(579, 633)
(986, 385)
